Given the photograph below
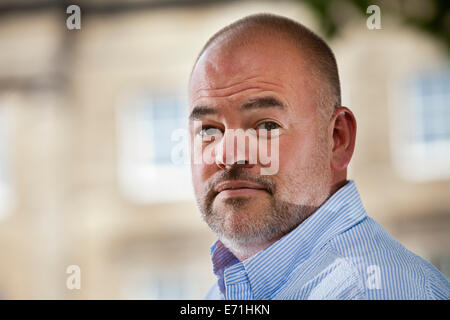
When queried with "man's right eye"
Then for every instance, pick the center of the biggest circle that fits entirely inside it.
(208, 132)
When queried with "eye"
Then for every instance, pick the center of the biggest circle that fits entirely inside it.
(208, 132)
(268, 125)
(268, 129)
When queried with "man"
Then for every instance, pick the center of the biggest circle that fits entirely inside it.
(299, 231)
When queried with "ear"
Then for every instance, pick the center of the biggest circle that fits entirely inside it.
(343, 127)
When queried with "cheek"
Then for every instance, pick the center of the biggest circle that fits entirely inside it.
(203, 162)
(198, 173)
(196, 166)
(294, 153)
(298, 157)
(201, 173)
(198, 179)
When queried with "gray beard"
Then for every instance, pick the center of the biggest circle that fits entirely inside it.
(239, 229)
(278, 219)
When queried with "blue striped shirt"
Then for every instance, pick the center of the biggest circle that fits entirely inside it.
(337, 253)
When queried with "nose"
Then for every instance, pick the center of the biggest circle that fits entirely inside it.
(234, 149)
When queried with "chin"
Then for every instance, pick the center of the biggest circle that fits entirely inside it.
(245, 205)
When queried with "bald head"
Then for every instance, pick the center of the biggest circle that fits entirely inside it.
(317, 57)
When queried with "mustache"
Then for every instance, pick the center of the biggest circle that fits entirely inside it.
(238, 173)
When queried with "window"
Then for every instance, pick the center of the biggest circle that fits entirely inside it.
(432, 108)
(421, 126)
(150, 130)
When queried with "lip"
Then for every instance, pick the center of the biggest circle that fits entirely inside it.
(239, 188)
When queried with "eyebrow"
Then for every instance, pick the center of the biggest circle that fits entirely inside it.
(259, 103)
(199, 111)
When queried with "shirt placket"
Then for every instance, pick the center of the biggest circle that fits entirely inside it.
(237, 285)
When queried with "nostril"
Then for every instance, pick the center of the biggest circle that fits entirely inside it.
(221, 165)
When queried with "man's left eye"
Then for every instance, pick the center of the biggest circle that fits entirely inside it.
(268, 125)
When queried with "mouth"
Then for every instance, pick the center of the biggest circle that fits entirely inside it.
(239, 188)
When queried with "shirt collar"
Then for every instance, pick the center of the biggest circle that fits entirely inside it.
(268, 269)
(221, 258)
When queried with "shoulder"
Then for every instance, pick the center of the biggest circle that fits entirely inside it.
(387, 269)
(323, 275)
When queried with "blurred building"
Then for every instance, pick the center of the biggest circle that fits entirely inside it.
(86, 142)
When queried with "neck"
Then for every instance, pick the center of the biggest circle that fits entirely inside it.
(247, 250)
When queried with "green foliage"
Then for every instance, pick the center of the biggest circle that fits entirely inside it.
(435, 22)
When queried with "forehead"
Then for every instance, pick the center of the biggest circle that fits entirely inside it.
(225, 68)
